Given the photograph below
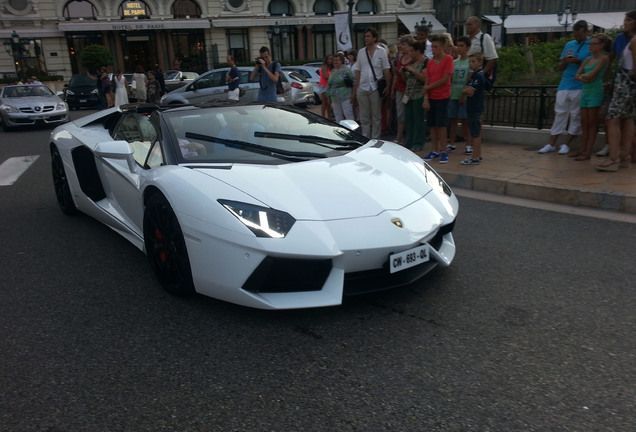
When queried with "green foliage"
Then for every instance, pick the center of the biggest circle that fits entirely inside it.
(511, 65)
(95, 56)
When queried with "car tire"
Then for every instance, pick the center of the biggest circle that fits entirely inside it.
(166, 248)
(60, 183)
(310, 102)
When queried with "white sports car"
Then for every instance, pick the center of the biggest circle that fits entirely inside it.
(267, 206)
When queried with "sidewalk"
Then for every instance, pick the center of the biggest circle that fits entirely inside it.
(519, 171)
(513, 167)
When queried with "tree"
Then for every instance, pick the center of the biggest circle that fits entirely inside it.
(95, 56)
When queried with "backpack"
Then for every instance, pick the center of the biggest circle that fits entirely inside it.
(491, 76)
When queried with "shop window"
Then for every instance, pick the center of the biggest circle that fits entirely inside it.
(323, 7)
(134, 10)
(238, 43)
(185, 9)
(79, 10)
(366, 7)
(280, 7)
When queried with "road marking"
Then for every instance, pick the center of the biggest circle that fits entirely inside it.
(14, 167)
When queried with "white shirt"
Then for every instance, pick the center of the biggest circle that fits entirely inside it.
(489, 50)
(380, 62)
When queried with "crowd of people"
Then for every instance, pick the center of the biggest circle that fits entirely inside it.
(114, 89)
(420, 87)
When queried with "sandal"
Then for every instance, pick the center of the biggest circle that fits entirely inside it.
(574, 155)
(609, 165)
(582, 157)
(625, 160)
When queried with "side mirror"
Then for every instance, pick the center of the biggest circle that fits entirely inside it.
(117, 150)
(349, 124)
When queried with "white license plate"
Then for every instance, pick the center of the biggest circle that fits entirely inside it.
(36, 117)
(408, 258)
(83, 100)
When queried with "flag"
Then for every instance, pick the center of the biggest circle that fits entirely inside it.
(343, 34)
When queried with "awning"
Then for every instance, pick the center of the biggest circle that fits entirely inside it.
(536, 23)
(127, 25)
(297, 20)
(413, 20)
(604, 20)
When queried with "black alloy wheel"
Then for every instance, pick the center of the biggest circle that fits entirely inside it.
(60, 183)
(166, 248)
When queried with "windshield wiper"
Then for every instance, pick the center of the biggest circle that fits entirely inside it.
(312, 139)
(242, 144)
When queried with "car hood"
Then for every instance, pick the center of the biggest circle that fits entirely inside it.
(362, 183)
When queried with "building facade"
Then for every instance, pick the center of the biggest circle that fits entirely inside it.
(46, 37)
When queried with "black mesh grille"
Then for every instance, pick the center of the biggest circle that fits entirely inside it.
(288, 275)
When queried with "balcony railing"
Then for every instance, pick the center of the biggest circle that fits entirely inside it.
(520, 106)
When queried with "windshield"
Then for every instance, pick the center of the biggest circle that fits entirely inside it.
(173, 75)
(257, 134)
(26, 91)
(81, 80)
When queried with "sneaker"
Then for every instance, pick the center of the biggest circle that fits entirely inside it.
(443, 158)
(564, 149)
(431, 155)
(450, 147)
(469, 150)
(470, 161)
(547, 148)
(604, 151)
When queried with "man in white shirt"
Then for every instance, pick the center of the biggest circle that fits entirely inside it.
(422, 36)
(473, 30)
(366, 86)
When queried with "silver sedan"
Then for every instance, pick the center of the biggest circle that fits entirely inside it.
(24, 105)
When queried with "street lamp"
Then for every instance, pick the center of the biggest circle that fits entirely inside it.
(567, 12)
(506, 8)
(424, 24)
(18, 48)
(350, 4)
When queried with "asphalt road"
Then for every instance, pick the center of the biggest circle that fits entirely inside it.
(531, 329)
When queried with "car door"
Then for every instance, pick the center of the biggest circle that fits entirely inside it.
(209, 87)
(121, 184)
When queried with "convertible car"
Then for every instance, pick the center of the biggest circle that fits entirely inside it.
(27, 105)
(264, 205)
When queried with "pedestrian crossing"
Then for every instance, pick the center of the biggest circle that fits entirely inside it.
(12, 168)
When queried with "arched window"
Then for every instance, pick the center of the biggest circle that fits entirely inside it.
(79, 9)
(366, 7)
(280, 7)
(323, 7)
(185, 9)
(134, 10)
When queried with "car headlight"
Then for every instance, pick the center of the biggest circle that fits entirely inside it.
(61, 106)
(9, 109)
(433, 179)
(262, 221)
(95, 91)
(70, 92)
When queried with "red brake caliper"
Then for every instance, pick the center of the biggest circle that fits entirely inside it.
(160, 245)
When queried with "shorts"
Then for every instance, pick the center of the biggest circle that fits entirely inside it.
(319, 89)
(455, 110)
(437, 116)
(233, 95)
(474, 124)
(591, 100)
(622, 104)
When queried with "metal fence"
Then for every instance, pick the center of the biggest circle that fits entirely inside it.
(520, 106)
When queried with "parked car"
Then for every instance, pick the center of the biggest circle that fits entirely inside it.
(212, 86)
(24, 105)
(311, 74)
(176, 78)
(302, 91)
(81, 92)
(265, 205)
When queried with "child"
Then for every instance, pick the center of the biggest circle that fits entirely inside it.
(439, 71)
(591, 73)
(457, 103)
(474, 92)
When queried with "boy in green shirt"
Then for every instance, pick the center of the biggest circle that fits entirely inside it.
(456, 105)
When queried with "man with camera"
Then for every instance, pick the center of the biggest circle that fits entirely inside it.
(268, 73)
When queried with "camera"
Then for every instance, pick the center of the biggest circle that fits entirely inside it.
(256, 60)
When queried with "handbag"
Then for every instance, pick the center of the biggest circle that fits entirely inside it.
(348, 80)
(380, 82)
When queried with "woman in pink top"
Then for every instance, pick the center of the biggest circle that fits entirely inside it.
(325, 70)
(437, 90)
